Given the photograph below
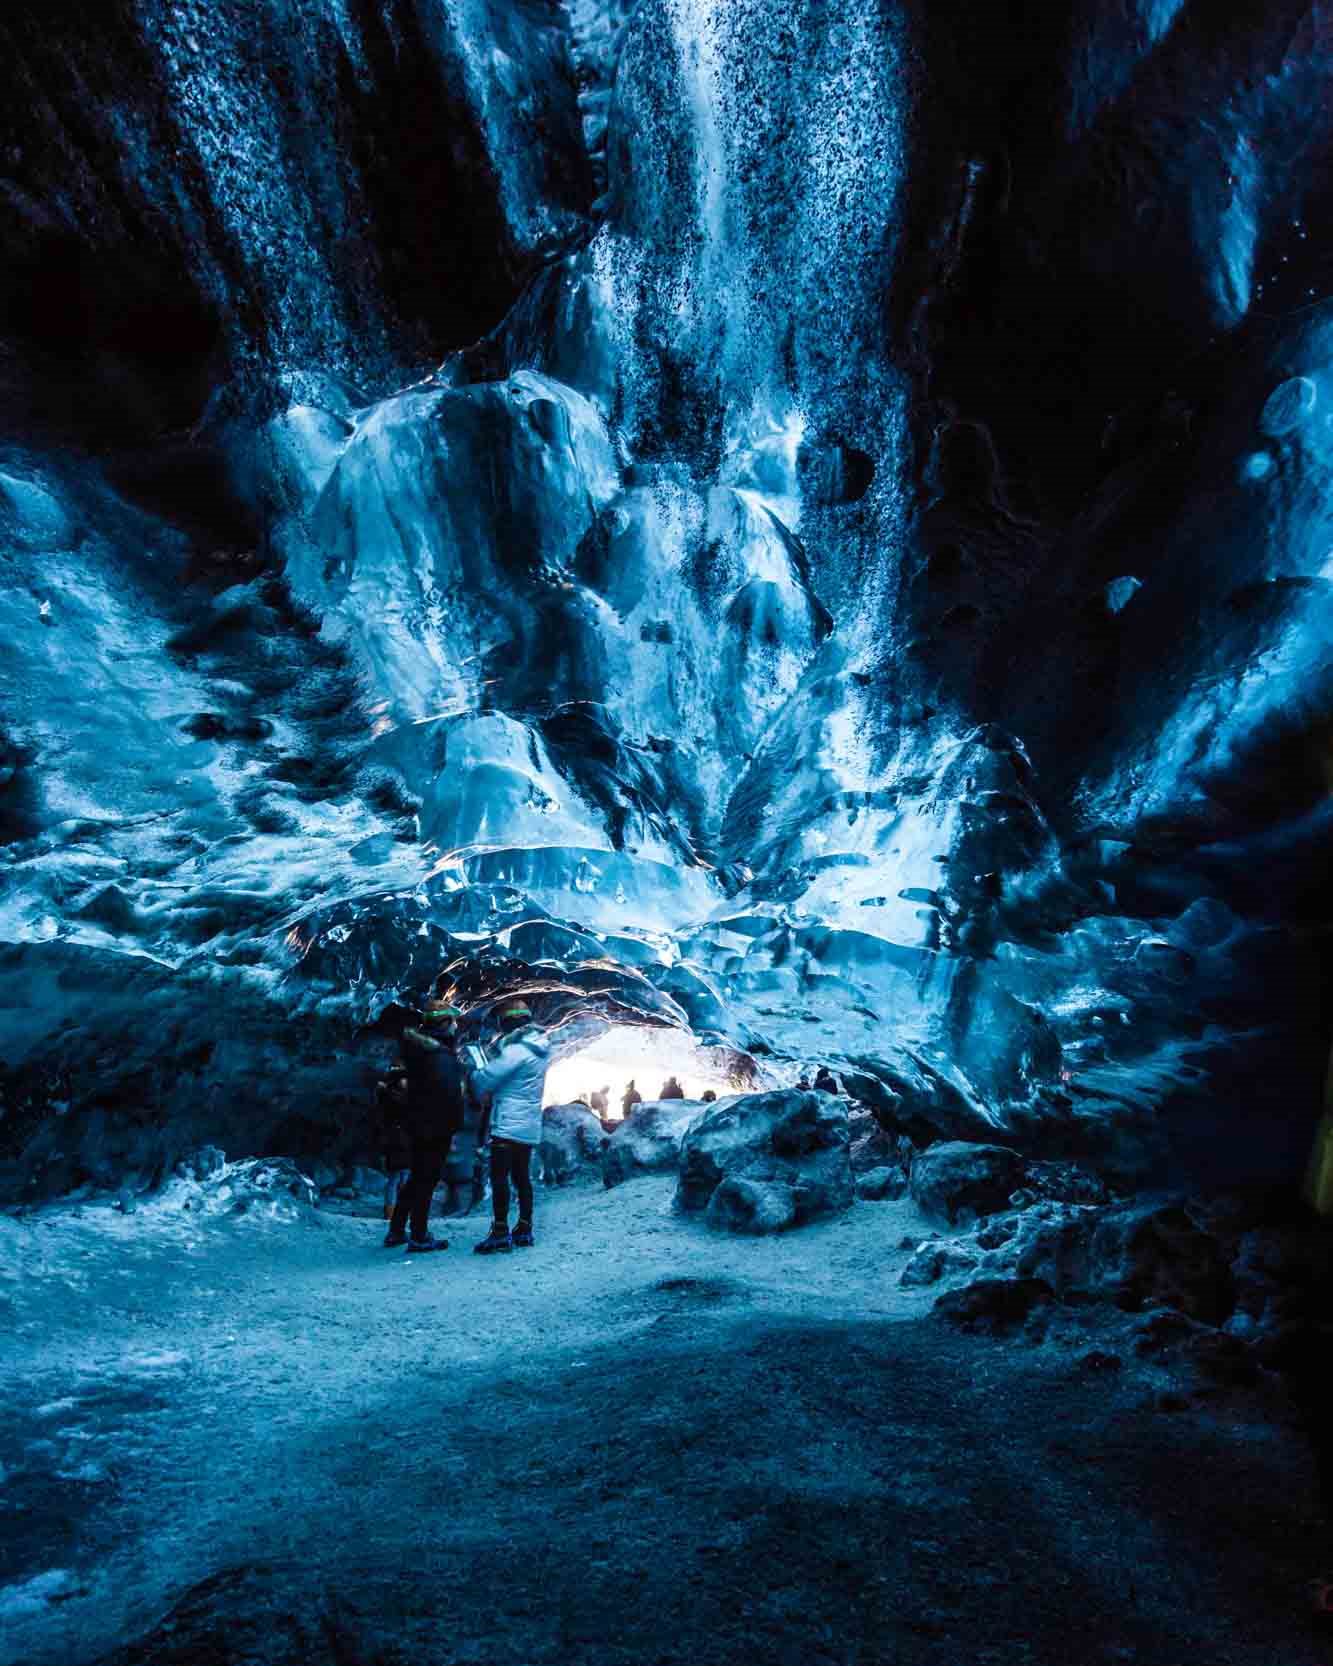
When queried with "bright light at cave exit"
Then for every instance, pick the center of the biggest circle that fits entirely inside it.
(647, 1057)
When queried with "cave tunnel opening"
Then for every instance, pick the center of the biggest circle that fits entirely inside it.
(608, 1035)
(627, 1056)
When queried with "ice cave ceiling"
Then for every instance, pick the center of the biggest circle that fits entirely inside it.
(809, 523)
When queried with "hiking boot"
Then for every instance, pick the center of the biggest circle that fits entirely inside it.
(522, 1235)
(497, 1241)
(423, 1246)
(392, 1240)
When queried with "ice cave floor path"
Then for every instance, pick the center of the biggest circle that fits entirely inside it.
(262, 1442)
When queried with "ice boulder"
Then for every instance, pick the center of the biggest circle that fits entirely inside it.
(571, 1148)
(741, 1204)
(649, 1140)
(935, 1261)
(881, 1185)
(271, 1188)
(994, 1305)
(881, 1161)
(790, 1149)
(957, 1181)
(1147, 1253)
(1151, 1253)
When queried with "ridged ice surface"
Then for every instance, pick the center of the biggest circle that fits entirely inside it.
(559, 531)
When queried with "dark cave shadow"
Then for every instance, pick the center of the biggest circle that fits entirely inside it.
(813, 1492)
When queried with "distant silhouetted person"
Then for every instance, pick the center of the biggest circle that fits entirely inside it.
(826, 1081)
(600, 1101)
(803, 1085)
(630, 1098)
(671, 1089)
(710, 1098)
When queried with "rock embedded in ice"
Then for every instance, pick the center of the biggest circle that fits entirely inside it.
(933, 1262)
(649, 1139)
(995, 1305)
(1053, 1244)
(265, 1185)
(1147, 1252)
(571, 1146)
(1141, 1253)
(1064, 1183)
(873, 1148)
(919, 1098)
(955, 1181)
(881, 1184)
(996, 1231)
(272, 1188)
(820, 1181)
(780, 1139)
(744, 1204)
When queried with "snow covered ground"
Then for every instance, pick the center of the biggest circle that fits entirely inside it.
(271, 1440)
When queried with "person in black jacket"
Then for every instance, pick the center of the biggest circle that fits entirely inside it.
(433, 1114)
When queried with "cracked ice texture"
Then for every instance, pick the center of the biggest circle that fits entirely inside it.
(724, 630)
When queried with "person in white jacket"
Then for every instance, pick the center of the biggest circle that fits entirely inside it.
(514, 1081)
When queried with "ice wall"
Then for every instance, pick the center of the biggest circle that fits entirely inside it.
(805, 524)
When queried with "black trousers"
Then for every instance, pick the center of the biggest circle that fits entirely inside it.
(508, 1157)
(414, 1198)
